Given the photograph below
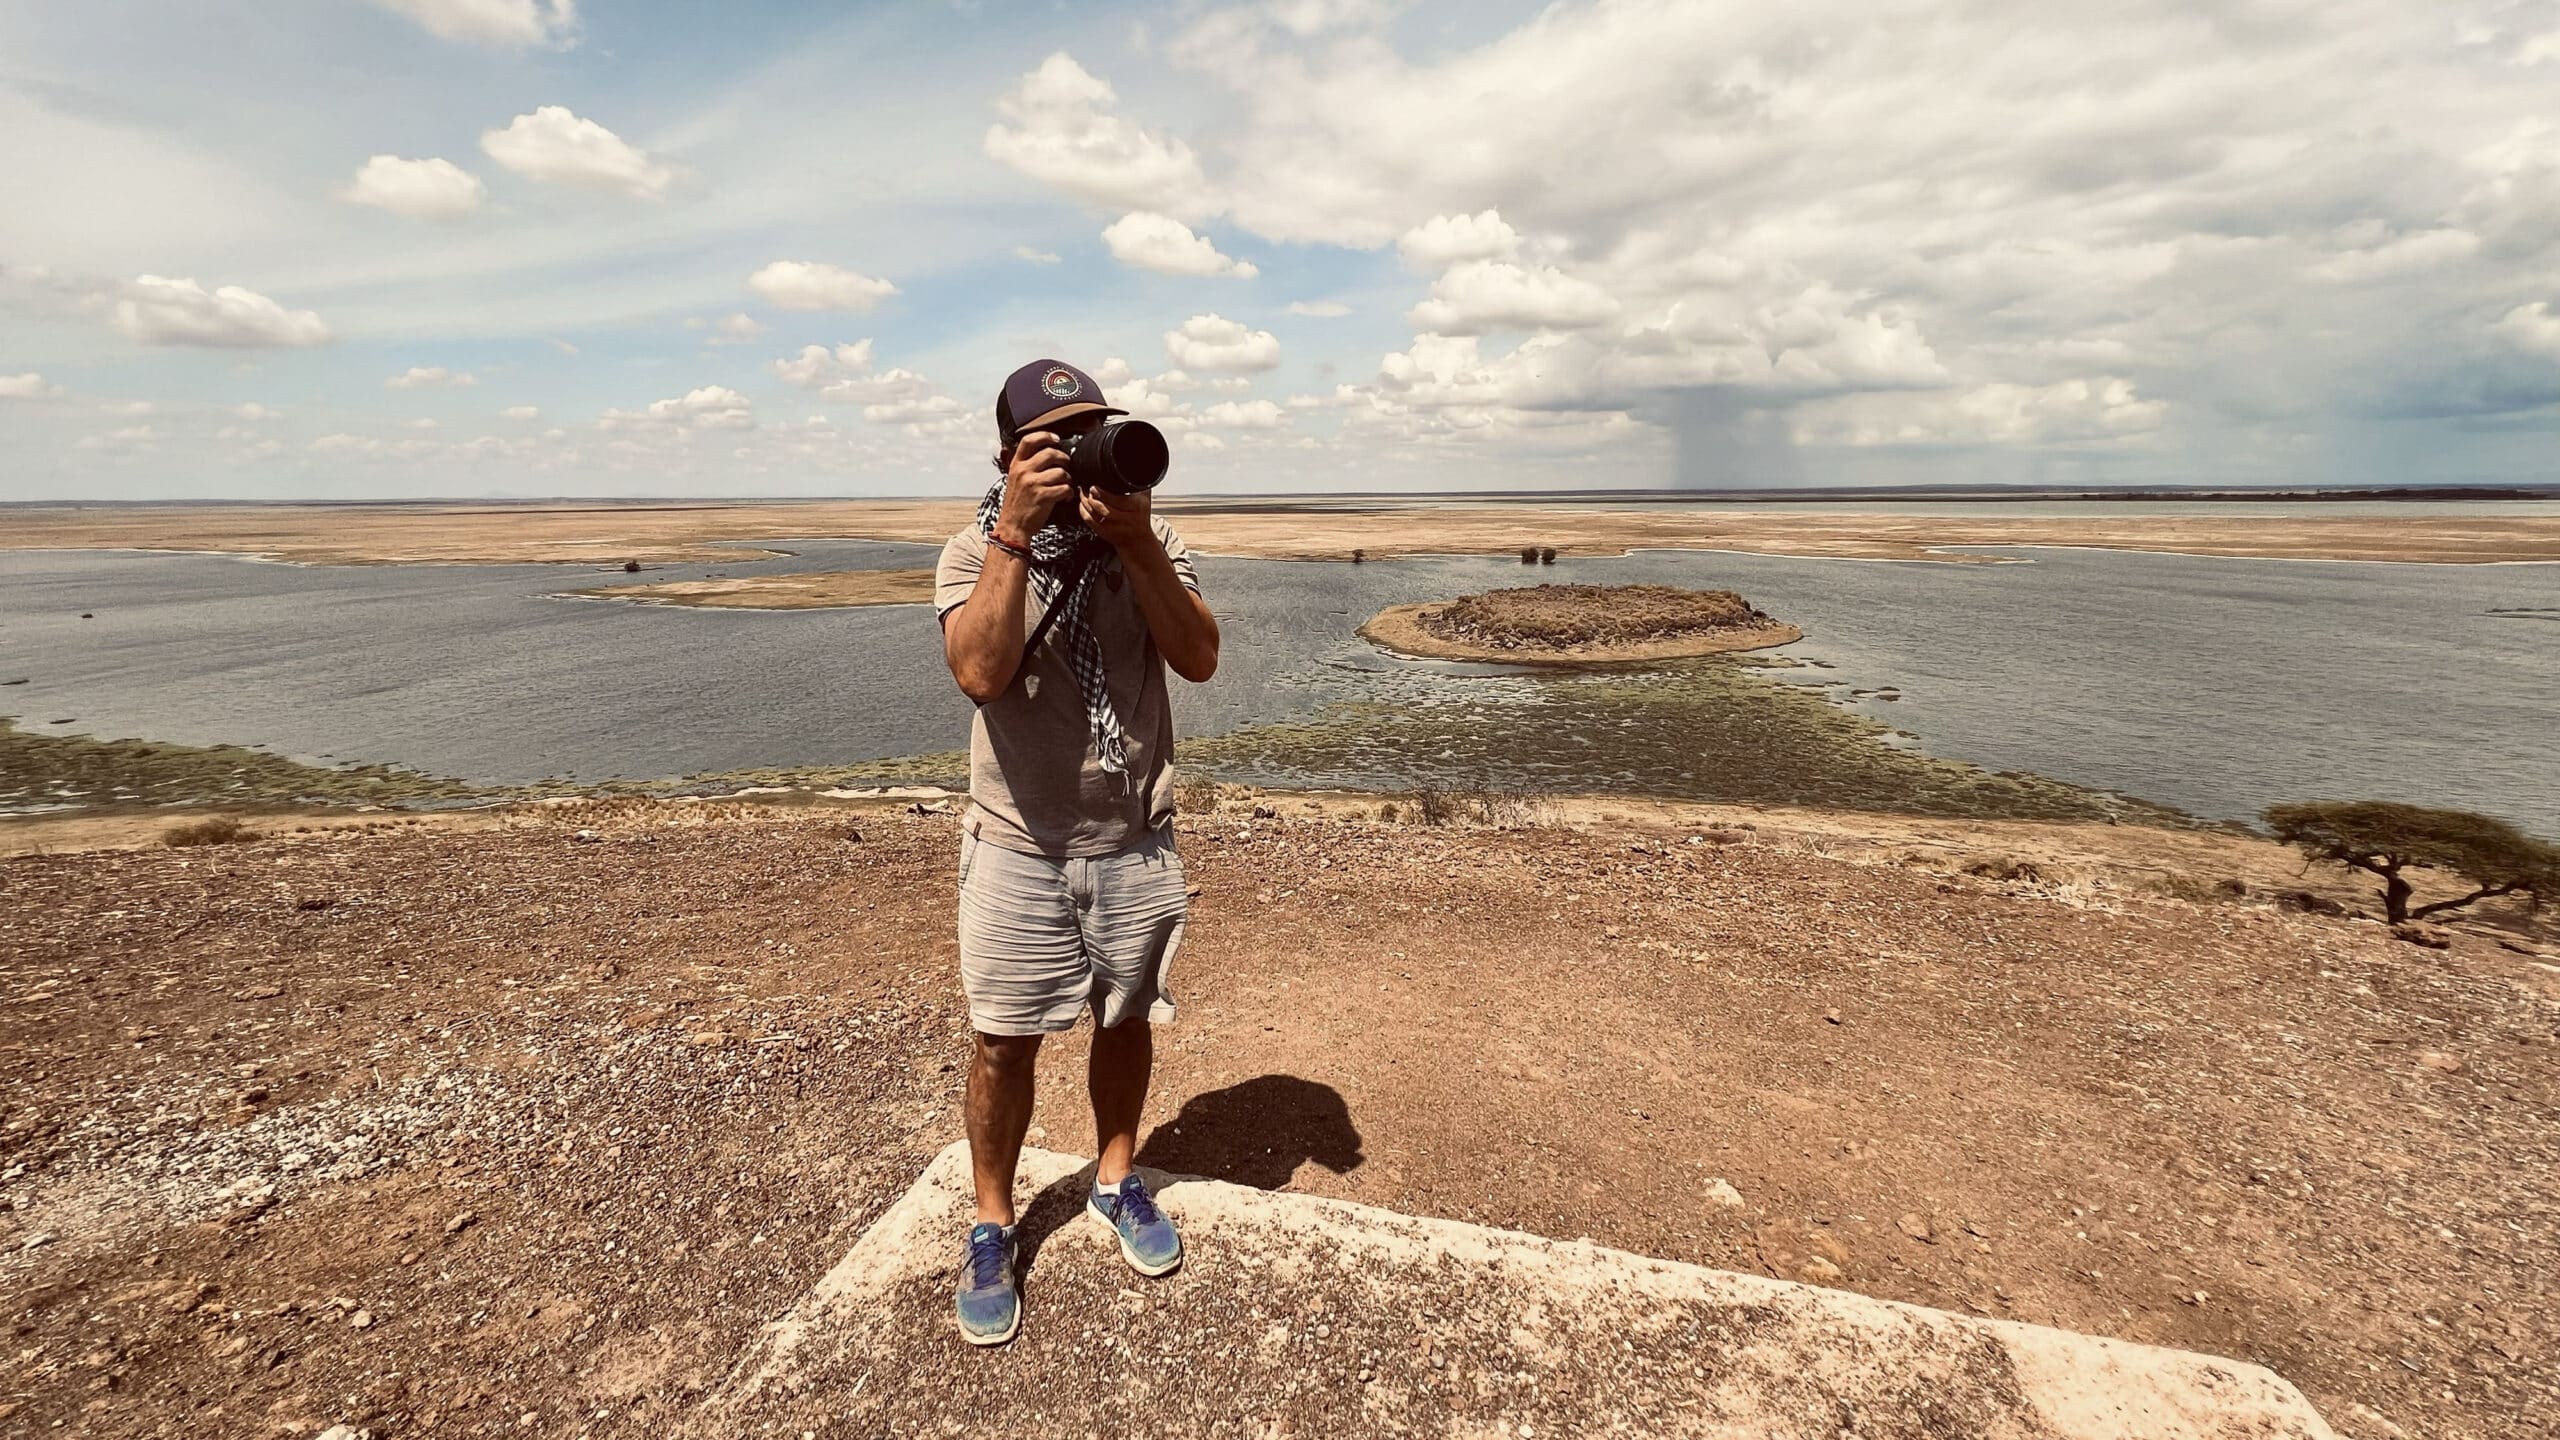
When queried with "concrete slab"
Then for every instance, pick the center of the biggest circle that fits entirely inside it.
(1302, 1316)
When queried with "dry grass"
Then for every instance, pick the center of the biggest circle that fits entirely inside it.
(1561, 617)
(217, 830)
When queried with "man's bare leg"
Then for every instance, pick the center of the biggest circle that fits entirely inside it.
(1000, 1073)
(1124, 1056)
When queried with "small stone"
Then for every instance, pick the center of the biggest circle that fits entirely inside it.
(2440, 1061)
(36, 1241)
(1722, 1195)
(1819, 1271)
(345, 1432)
(1916, 1226)
(361, 1320)
(1832, 1017)
(461, 1222)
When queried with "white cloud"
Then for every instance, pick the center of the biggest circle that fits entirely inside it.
(1034, 255)
(1164, 244)
(1112, 371)
(420, 189)
(522, 412)
(817, 366)
(1061, 134)
(808, 285)
(519, 23)
(159, 311)
(2534, 328)
(1444, 240)
(732, 329)
(1480, 295)
(255, 411)
(1212, 342)
(430, 377)
(1319, 309)
(1244, 415)
(551, 144)
(128, 407)
(712, 407)
(29, 386)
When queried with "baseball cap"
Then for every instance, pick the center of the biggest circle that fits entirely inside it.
(1044, 392)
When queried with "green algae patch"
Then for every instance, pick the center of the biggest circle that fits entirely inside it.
(57, 773)
(1707, 729)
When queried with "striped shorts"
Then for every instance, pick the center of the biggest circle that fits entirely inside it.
(1044, 937)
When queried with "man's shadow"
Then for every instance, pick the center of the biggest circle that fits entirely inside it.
(1255, 1133)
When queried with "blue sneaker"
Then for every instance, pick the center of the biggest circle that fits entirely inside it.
(989, 1303)
(1147, 1240)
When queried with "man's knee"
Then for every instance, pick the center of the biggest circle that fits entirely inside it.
(1006, 1054)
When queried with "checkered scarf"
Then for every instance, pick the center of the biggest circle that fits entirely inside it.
(1062, 548)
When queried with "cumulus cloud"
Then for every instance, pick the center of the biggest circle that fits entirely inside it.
(1212, 342)
(158, 311)
(1244, 415)
(817, 366)
(1319, 309)
(1480, 295)
(2533, 328)
(808, 285)
(711, 407)
(28, 386)
(420, 189)
(895, 396)
(252, 410)
(430, 377)
(518, 23)
(551, 144)
(1444, 240)
(1164, 244)
(1057, 129)
(522, 412)
(1034, 255)
(732, 329)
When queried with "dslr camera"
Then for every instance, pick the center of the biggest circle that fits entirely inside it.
(1122, 456)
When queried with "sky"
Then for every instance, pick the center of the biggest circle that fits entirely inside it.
(375, 249)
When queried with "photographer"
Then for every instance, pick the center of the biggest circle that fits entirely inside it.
(1061, 608)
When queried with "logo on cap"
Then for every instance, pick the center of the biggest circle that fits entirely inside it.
(1061, 384)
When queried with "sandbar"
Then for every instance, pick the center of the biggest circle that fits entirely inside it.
(1400, 628)
(825, 590)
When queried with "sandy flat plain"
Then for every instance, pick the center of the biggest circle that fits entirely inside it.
(607, 533)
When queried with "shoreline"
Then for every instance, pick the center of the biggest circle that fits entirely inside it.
(807, 590)
(1399, 629)
(607, 535)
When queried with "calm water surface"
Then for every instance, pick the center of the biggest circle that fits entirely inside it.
(2212, 684)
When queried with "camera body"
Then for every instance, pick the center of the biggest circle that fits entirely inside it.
(1122, 456)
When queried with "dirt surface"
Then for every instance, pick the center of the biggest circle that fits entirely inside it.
(433, 1130)
(818, 591)
(610, 533)
(1580, 624)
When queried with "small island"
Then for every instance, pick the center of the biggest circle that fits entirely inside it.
(828, 591)
(1579, 625)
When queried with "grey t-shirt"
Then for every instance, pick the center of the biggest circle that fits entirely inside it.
(1036, 781)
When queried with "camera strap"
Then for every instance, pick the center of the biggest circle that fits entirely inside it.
(1083, 557)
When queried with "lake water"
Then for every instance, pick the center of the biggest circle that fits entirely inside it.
(2215, 685)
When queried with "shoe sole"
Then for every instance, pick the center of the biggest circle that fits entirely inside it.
(1128, 1254)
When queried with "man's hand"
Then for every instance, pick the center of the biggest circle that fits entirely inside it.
(1127, 521)
(1033, 485)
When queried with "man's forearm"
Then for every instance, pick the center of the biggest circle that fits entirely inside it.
(1186, 634)
(982, 641)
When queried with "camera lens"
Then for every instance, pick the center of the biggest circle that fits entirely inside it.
(1126, 456)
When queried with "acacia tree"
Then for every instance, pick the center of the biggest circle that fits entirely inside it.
(2387, 839)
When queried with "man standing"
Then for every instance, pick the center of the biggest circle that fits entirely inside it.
(1071, 895)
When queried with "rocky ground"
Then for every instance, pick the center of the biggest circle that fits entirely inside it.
(528, 1125)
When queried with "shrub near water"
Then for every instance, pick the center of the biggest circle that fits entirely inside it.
(1564, 617)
